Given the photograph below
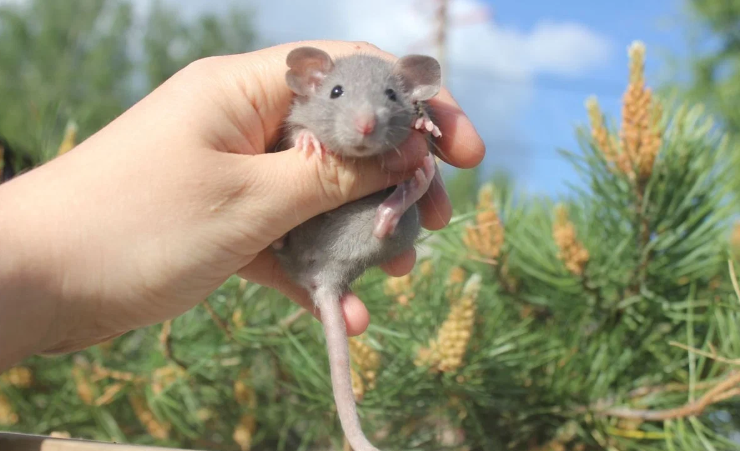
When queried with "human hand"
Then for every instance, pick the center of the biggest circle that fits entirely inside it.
(147, 217)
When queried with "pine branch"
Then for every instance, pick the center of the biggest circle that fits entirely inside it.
(293, 317)
(733, 278)
(165, 339)
(218, 320)
(722, 391)
(713, 355)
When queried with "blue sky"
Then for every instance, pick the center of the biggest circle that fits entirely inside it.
(522, 77)
(548, 122)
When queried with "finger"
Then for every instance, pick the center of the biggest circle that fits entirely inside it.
(460, 144)
(266, 271)
(356, 316)
(315, 185)
(435, 206)
(401, 265)
(261, 76)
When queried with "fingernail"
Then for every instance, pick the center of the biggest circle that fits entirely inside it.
(409, 154)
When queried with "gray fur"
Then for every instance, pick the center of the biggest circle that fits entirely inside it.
(328, 252)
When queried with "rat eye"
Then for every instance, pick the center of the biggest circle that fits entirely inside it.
(336, 92)
(391, 94)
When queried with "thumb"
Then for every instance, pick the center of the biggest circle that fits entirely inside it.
(296, 186)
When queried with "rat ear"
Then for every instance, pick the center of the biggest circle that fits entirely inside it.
(421, 76)
(308, 67)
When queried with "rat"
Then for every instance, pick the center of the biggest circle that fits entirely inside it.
(356, 106)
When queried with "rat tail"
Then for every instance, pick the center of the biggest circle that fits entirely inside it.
(339, 364)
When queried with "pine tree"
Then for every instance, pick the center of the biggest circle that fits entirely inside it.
(605, 320)
(70, 64)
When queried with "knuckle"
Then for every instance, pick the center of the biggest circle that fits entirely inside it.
(201, 66)
(338, 180)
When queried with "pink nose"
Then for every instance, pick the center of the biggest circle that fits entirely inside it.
(365, 124)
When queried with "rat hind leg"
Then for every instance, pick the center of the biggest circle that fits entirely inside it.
(406, 194)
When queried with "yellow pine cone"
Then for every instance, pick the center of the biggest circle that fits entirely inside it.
(605, 141)
(7, 414)
(85, 389)
(640, 134)
(165, 376)
(571, 252)
(457, 275)
(19, 376)
(454, 283)
(446, 352)
(164, 334)
(486, 236)
(110, 392)
(366, 360)
(157, 429)
(397, 285)
(237, 318)
(102, 373)
(244, 432)
(243, 393)
(70, 138)
(358, 386)
(426, 268)
(400, 287)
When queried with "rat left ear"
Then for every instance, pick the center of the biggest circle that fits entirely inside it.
(421, 76)
(308, 67)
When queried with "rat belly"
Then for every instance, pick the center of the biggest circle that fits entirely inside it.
(335, 248)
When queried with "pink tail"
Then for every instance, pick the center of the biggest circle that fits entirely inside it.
(341, 380)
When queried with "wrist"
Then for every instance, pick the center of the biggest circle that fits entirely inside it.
(29, 294)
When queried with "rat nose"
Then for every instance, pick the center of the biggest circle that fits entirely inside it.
(365, 123)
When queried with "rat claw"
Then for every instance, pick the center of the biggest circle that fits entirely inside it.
(308, 143)
(427, 124)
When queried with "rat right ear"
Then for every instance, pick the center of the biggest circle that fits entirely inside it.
(421, 76)
(308, 67)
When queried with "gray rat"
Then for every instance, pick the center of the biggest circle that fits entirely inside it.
(356, 106)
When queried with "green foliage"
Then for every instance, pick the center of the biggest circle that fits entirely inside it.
(171, 43)
(57, 63)
(716, 70)
(555, 358)
(608, 352)
(65, 61)
(713, 67)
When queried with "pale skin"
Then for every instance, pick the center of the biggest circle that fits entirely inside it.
(146, 218)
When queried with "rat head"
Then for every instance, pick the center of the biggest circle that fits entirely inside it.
(359, 105)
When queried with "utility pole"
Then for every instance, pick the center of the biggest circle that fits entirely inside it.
(440, 40)
(439, 37)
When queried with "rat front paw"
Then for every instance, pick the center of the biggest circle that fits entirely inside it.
(427, 124)
(307, 143)
(424, 122)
